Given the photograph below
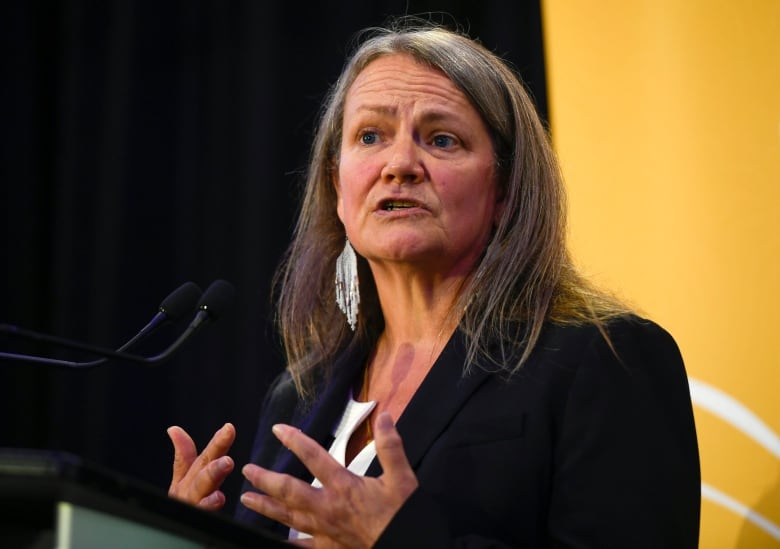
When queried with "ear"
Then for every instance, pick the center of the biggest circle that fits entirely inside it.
(334, 179)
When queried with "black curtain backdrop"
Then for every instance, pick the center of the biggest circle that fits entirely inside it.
(145, 144)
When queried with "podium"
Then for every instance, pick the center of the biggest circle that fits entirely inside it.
(58, 500)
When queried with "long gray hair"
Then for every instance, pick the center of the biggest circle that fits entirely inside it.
(525, 276)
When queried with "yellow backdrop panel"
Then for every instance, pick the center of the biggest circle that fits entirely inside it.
(666, 117)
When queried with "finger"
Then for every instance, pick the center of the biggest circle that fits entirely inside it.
(276, 510)
(316, 458)
(213, 502)
(219, 445)
(184, 452)
(197, 476)
(210, 478)
(267, 506)
(392, 457)
(287, 489)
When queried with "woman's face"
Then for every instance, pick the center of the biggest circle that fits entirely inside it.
(416, 178)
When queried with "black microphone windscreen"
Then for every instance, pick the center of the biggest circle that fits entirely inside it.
(217, 298)
(181, 301)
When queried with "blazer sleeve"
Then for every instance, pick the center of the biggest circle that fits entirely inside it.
(625, 465)
(279, 405)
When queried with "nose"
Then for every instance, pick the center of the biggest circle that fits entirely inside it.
(404, 164)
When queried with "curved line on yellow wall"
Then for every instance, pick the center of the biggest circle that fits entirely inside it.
(716, 496)
(735, 413)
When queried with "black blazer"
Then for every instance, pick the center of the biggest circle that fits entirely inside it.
(581, 448)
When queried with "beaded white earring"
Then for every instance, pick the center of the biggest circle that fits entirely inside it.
(347, 290)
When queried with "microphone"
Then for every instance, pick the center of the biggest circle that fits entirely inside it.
(210, 306)
(178, 303)
(215, 301)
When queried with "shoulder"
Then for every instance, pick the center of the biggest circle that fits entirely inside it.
(642, 347)
(281, 400)
(282, 388)
(624, 355)
(632, 330)
(284, 403)
(623, 338)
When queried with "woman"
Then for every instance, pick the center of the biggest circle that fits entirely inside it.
(460, 384)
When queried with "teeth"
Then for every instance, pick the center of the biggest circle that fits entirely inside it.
(398, 205)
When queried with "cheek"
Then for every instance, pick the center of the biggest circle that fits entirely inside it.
(359, 171)
(475, 206)
(470, 195)
(355, 182)
(345, 204)
(348, 201)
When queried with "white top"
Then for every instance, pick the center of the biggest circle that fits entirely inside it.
(355, 414)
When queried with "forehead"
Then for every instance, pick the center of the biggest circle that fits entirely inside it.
(400, 79)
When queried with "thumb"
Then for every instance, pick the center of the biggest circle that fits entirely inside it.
(392, 457)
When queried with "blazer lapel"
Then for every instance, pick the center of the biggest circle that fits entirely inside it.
(440, 396)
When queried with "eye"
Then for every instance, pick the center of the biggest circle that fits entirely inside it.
(443, 141)
(369, 137)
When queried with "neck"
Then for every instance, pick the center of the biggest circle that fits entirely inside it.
(417, 310)
(417, 327)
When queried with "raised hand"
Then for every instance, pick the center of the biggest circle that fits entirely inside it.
(349, 510)
(197, 478)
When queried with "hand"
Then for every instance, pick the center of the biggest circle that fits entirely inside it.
(349, 510)
(197, 478)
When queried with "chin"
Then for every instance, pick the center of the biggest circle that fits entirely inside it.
(408, 253)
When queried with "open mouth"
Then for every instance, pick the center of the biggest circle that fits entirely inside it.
(394, 205)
